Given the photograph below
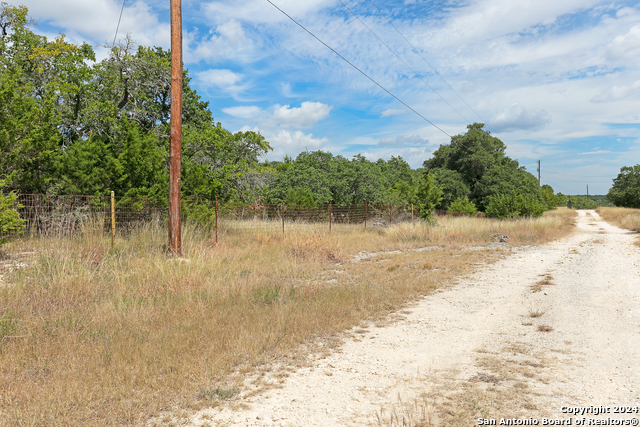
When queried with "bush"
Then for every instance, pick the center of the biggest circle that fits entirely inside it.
(10, 221)
(462, 205)
(513, 205)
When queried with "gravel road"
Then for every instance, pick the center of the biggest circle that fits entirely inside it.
(542, 328)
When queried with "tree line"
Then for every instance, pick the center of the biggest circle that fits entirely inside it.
(70, 124)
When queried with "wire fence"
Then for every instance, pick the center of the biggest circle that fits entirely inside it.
(59, 216)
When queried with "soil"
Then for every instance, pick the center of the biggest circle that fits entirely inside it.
(542, 328)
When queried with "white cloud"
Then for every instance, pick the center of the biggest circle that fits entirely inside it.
(392, 112)
(616, 93)
(292, 143)
(221, 78)
(404, 141)
(302, 117)
(98, 20)
(626, 45)
(260, 11)
(515, 117)
(596, 152)
(227, 42)
(244, 112)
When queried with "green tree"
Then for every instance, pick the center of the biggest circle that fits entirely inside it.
(625, 191)
(479, 159)
(513, 205)
(428, 196)
(462, 205)
(548, 198)
(453, 186)
(10, 221)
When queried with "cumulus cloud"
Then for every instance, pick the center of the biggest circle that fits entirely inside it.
(292, 143)
(227, 41)
(516, 117)
(392, 112)
(616, 93)
(404, 141)
(301, 117)
(626, 45)
(244, 112)
(222, 79)
(97, 19)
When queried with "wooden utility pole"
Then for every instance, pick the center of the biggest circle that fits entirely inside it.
(538, 173)
(175, 240)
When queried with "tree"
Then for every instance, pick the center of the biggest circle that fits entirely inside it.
(10, 221)
(428, 196)
(625, 191)
(513, 205)
(452, 184)
(479, 160)
(462, 205)
(548, 198)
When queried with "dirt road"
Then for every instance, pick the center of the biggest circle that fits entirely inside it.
(542, 328)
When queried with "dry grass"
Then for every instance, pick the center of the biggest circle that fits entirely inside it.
(96, 337)
(544, 328)
(622, 217)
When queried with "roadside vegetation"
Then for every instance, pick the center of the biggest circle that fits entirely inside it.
(627, 218)
(92, 336)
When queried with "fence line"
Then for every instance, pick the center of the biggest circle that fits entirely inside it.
(57, 216)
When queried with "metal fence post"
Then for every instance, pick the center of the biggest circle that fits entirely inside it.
(329, 217)
(282, 217)
(389, 215)
(412, 213)
(216, 220)
(113, 220)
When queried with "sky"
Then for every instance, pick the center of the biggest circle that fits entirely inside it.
(556, 81)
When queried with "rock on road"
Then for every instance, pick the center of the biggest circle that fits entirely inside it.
(572, 340)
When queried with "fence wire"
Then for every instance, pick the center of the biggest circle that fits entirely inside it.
(52, 215)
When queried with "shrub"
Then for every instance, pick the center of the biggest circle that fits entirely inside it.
(513, 205)
(10, 221)
(462, 205)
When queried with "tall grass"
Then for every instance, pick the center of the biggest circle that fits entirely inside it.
(622, 217)
(93, 336)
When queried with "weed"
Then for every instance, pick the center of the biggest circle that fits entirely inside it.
(266, 296)
(218, 393)
(544, 328)
(536, 313)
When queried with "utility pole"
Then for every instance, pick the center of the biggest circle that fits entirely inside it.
(587, 191)
(538, 173)
(175, 240)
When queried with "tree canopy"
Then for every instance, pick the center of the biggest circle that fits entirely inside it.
(625, 190)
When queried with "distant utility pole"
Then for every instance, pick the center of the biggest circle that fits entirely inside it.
(587, 191)
(538, 173)
(175, 240)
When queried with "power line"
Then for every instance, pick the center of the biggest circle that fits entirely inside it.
(407, 65)
(438, 74)
(118, 27)
(359, 70)
(423, 58)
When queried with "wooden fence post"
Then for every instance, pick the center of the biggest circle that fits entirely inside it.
(113, 220)
(216, 220)
(389, 215)
(329, 217)
(411, 213)
(282, 217)
(365, 214)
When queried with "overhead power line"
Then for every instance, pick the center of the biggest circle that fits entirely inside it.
(118, 27)
(359, 70)
(407, 65)
(424, 59)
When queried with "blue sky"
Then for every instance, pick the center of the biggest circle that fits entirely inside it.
(556, 80)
